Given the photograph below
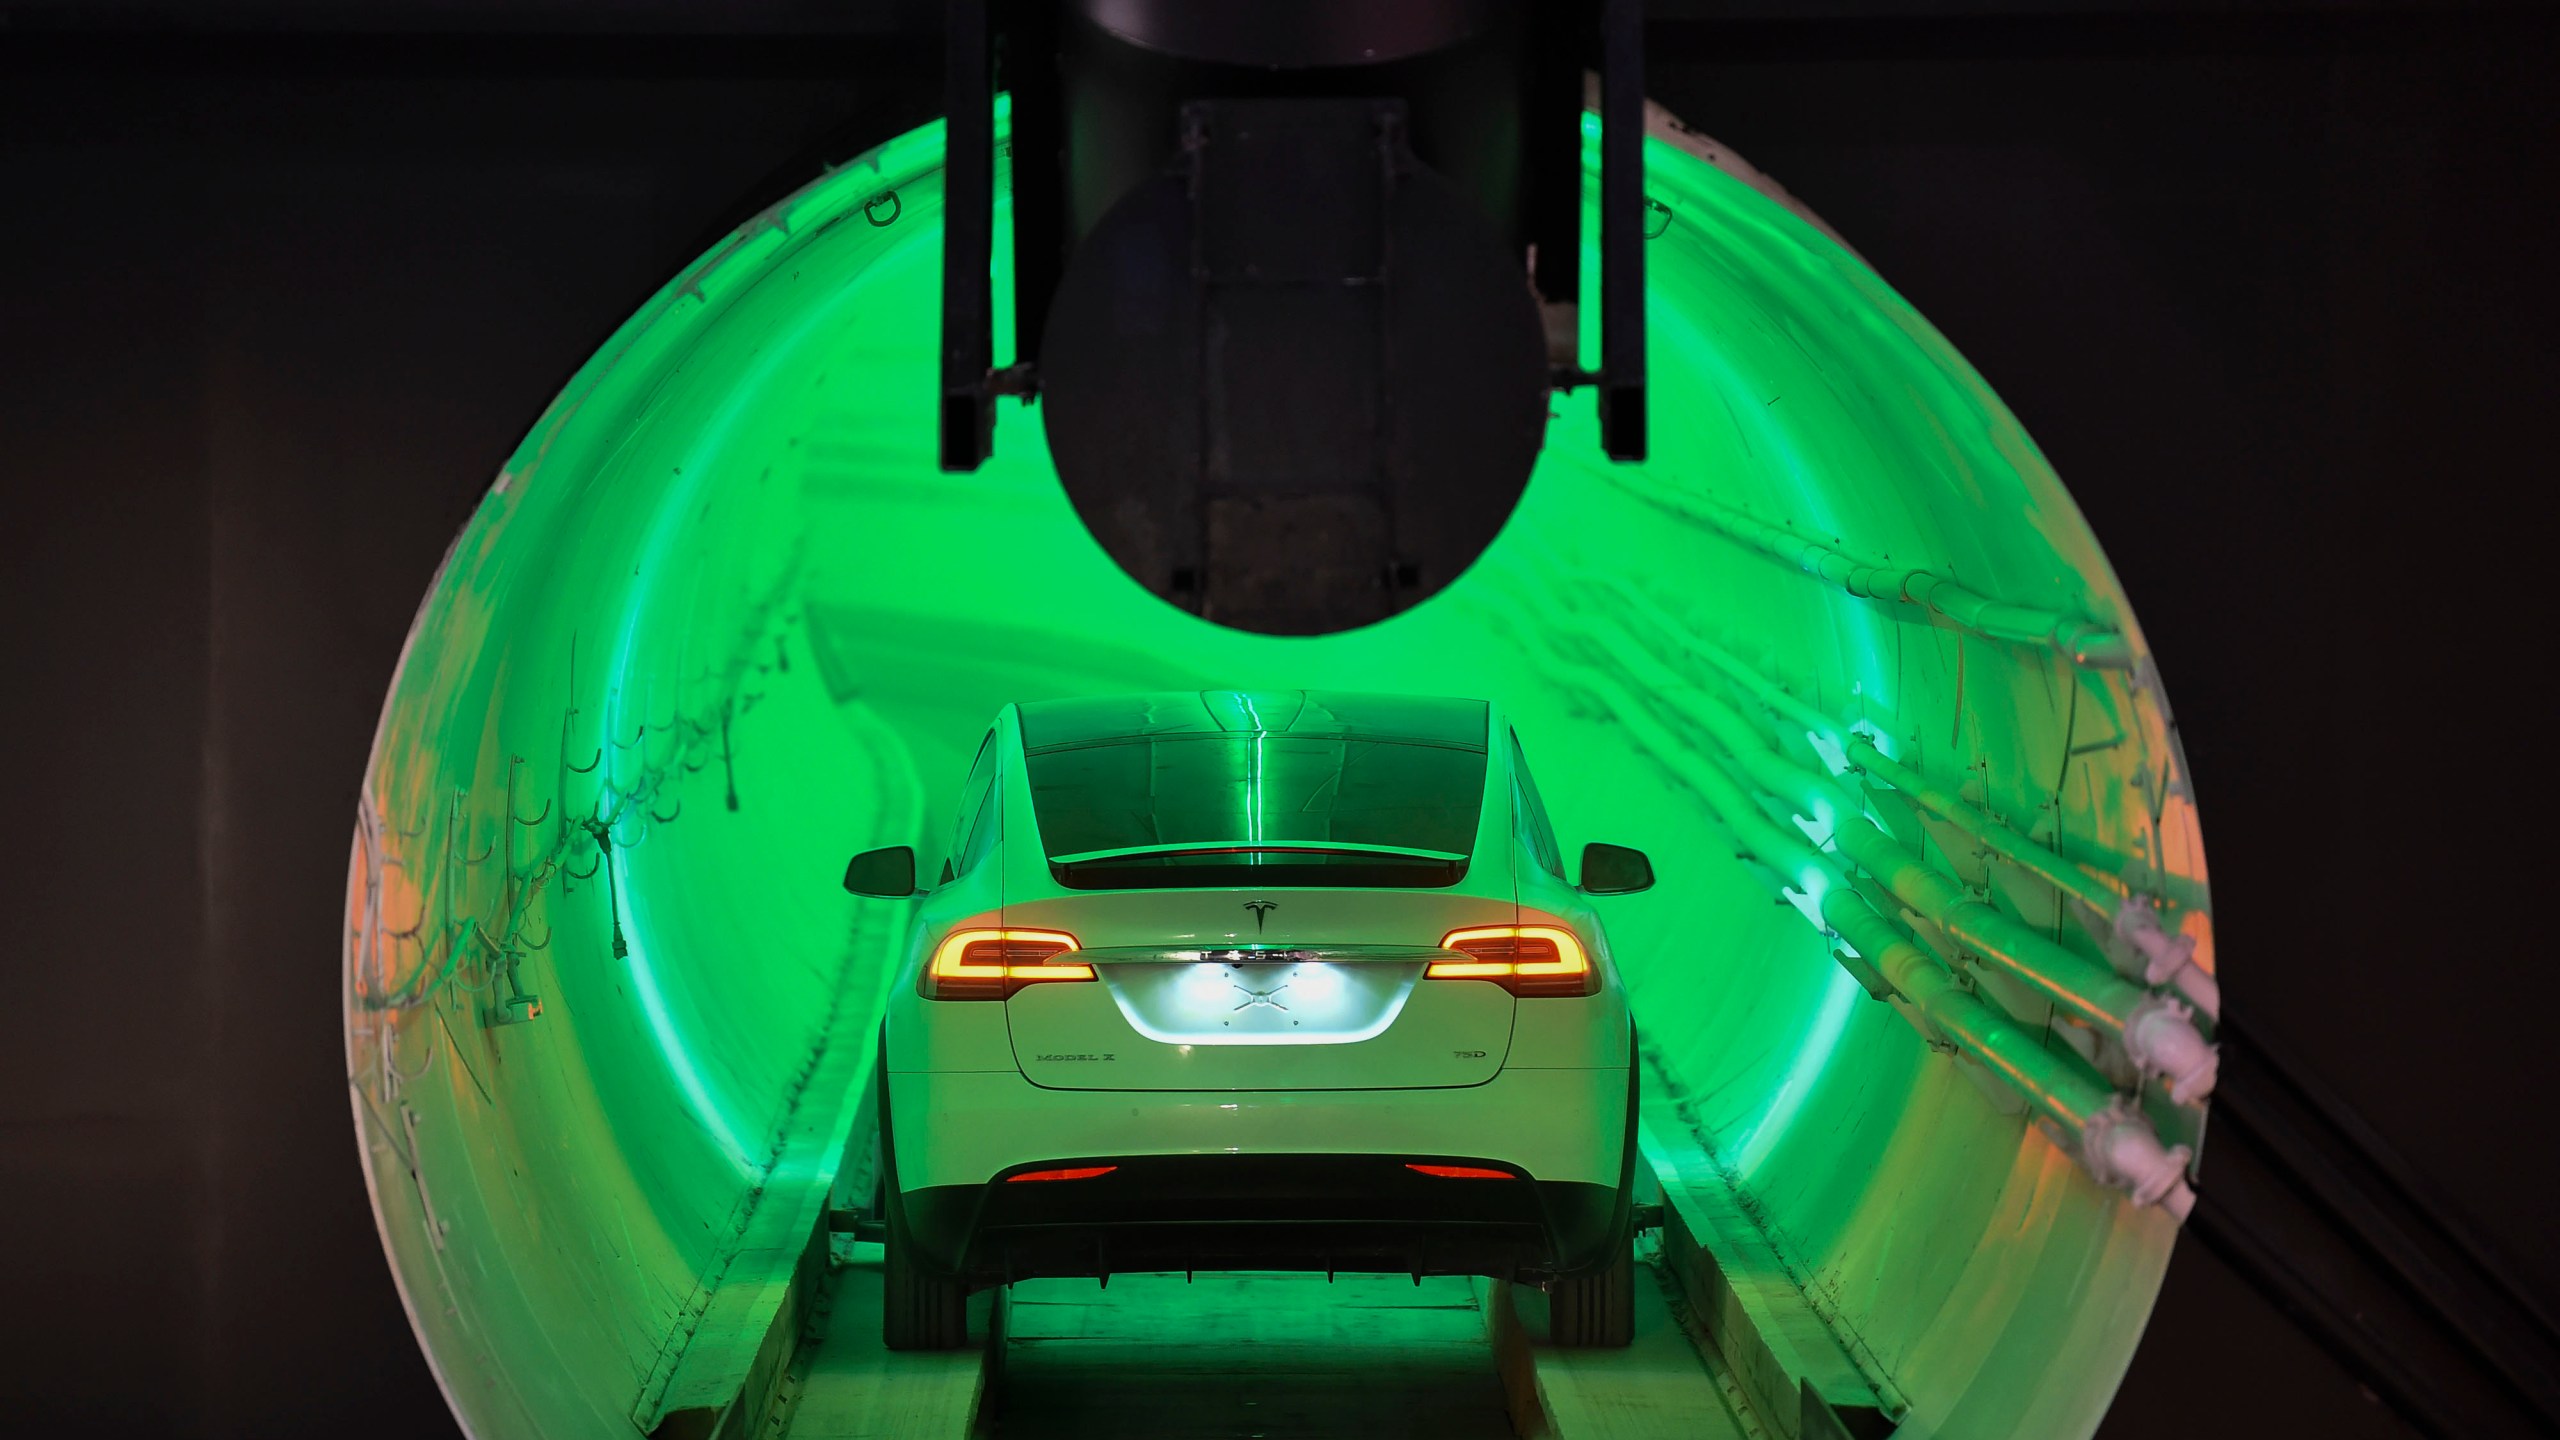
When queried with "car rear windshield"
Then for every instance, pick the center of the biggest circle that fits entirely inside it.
(1188, 810)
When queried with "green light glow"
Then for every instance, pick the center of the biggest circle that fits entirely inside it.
(662, 1029)
(724, 565)
(1814, 1046)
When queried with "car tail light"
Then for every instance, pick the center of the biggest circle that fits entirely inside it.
(992, 964)
(1075, 1172)
(1527, 960)
(1461, 1172)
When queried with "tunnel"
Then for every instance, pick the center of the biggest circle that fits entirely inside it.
(1925, 995)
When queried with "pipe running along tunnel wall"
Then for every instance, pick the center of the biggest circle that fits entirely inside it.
(720, 623)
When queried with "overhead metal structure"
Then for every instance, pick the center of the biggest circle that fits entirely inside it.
(1293, 279)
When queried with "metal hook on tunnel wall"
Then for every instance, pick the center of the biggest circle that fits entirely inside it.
(457, 843)
(871, 209)
(569, 719)
(515, 763)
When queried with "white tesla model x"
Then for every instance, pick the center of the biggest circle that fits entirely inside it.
(1255, 980)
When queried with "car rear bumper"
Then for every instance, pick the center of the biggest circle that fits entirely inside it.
(1264, 1212)
(1288, 1180)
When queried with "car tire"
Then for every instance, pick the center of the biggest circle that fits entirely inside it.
(1596, 1310)
(919, 1310)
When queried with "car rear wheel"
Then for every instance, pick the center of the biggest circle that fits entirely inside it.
(1597, 1309)
(919, 1309)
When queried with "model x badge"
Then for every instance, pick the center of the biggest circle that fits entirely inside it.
(1260, 909)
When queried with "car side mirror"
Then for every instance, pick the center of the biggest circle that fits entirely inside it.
(1615, 870)
(888, 872)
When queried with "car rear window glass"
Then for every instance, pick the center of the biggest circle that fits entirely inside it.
(1245, 790)
(1233, 787)
(1049, 724)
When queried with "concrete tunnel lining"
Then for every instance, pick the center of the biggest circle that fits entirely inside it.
(721, 622)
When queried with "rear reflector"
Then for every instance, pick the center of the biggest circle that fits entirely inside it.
(992, 964)
(1527, 960)
(1080, 1172)
(1454, 1172)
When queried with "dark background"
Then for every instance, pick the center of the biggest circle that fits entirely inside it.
(281, 285)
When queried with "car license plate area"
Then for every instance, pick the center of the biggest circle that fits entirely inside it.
(1245, 998)
(1260, 1022)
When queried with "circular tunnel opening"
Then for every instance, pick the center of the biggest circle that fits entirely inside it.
(1923, 995)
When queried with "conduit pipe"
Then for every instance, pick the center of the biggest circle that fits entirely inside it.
(2107, 1132)
(2098, 1126)
(2162, 957)
(2134, 920)
(2159, 1032)
(2082, 642)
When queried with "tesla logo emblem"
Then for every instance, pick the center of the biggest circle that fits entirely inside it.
(1260, 909)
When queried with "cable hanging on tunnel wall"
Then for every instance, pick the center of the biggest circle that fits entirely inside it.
(459, 950)
(447, 945)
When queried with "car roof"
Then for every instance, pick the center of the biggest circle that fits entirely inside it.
(1319, 714)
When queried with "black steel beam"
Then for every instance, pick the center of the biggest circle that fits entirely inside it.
(923, 17)
(1029, 69)
(799, 37)
(2318, 1214)
(967, 430)
(1622, 383)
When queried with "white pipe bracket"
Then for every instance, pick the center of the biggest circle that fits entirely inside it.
(2167, 958)
(2161, 1038)
(2118, 1146)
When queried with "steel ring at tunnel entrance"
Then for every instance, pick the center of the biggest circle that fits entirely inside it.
(737, 626)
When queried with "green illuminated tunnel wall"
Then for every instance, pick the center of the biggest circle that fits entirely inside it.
(720, 622)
